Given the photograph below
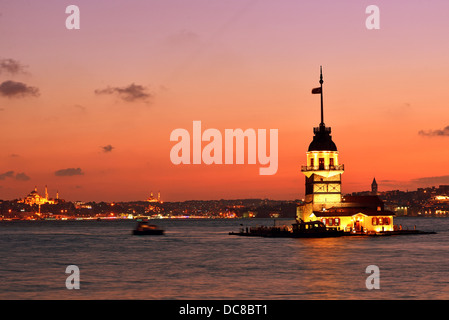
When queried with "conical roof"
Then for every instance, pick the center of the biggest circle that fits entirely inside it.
(322, 140)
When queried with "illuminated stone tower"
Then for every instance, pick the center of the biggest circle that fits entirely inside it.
(323, 170)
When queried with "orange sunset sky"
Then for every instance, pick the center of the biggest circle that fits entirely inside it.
(89, 112)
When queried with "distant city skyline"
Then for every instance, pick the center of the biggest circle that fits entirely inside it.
(152, 196)
(89, 112)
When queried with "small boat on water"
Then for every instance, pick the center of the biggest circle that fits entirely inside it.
(144, 228)
(314, 229)
(300, 229)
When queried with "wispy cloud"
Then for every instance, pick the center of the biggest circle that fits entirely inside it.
(422, 182)
(13, 89)
(107, 148)
(8, 174)
(22, 176)
(11, 66)
(19, 176)
(131, 93)
(79, 107)
(435, 133)
(432, 180)
(69, 172)
(182, 38)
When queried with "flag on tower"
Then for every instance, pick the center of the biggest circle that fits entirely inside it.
(316, 90)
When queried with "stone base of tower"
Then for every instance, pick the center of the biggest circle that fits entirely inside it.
(314, 203)
(303, 212)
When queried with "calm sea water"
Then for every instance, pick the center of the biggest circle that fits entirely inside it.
(197, 259)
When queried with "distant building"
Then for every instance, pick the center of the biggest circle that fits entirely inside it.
(151, 198)
(358, 214)
(444, 189)
(35, 198)
(374, 187)
(323, 199)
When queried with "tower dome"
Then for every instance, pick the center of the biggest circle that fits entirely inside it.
(322, 140)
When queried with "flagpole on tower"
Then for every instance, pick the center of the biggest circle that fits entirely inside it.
(321, 91)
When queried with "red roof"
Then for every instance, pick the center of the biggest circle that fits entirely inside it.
(363, 200)
(348, 212)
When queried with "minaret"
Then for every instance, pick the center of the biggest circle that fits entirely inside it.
(323, 171)
(46, 193)
(374, 187)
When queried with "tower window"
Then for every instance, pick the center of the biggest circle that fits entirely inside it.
(331, 162)
(311, 162)
(321, 163)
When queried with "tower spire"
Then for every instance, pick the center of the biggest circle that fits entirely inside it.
(321, 91)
